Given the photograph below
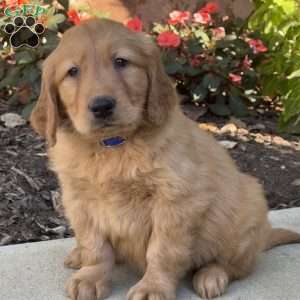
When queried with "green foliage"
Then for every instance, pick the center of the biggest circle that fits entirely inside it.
(213, 64)
(279, 22)
(20, 74)
(20, 69)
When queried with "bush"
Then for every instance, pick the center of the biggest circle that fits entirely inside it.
(211, 59)
(20, 69)
(279, 22)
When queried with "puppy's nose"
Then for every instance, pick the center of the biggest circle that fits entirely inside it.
(102, 107)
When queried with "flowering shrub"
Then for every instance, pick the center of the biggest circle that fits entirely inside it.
(20, 69)
(211, 59)
(279, 23)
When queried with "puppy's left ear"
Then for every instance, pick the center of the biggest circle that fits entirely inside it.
(44, 117)
(162, 96)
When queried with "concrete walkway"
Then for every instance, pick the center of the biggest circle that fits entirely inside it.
(35, 271)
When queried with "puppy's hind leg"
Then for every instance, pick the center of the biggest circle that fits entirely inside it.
(211, 281)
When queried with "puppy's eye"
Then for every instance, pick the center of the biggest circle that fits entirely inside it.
(120, 63)
(73, 72)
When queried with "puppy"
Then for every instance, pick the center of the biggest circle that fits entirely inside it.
(141, 183)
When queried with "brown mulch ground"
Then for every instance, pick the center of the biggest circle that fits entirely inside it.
(29, 195)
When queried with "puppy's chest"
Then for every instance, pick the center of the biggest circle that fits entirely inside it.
(115, 193)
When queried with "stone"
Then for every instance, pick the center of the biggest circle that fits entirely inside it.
(277, 140)
(258, 127)
(259, 138)
(228, 144)
(229, 128)
(239, 123)
(242, 131)
(12, 120)
(296, 182)
(209, 127)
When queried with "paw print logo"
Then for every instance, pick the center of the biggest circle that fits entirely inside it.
(24, 31)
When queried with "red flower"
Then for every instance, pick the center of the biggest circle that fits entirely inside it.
(74, 16)
(13, 3)
(20, 2)
(235, 78)
(3, 4)
(247, 62)
(211, 8)
(218, 33)
(202, 18)
(257, 46)
(179, 17)
(135, 24)
(168, 39)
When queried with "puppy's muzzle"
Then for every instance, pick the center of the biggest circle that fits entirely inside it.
(102, 107)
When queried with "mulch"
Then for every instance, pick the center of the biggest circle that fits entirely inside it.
(30, 198)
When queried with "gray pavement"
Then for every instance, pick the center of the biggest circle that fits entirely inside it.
(35, 271)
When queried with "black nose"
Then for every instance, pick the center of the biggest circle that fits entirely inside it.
(102, 107)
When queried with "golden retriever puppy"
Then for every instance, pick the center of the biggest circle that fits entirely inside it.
(141, 183)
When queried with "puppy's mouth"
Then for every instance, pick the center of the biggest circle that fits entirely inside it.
(107, 125)
(103, 123)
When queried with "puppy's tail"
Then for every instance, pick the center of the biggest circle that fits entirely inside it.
(280, 236)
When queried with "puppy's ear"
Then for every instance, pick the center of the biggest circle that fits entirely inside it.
(44, 117)
(162, 96)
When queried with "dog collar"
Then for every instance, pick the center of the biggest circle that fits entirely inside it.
(113, 141)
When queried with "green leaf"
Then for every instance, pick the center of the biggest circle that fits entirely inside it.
(25, 57)
(199, 93)
(292, 125)
(64, 3)
(173, 68)
(13, 99)
(203, 36)
(194, 47)
(3, 67)
(295, 74)
(26, 112)
(237, 106)
(12, 77)
(219, 109)
(54, 20)
(31, 73)
(211, 82)
(192, 71)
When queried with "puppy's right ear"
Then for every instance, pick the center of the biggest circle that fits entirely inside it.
(44, 117)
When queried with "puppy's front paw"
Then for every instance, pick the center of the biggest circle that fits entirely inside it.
(211, 281)
(87, 285)
(73, 260)
(150, 291)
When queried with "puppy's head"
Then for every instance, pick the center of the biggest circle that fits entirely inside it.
(105, 80)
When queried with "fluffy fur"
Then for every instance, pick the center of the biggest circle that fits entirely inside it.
(169, 200)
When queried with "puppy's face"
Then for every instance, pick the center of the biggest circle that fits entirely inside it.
(103, 84)
(107, 79)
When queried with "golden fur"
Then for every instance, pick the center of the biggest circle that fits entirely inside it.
(169, 200)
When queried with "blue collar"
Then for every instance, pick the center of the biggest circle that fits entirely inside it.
(113, 141)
